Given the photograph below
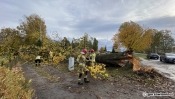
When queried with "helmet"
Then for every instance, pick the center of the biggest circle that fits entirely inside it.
(92, 50)
(84, 51)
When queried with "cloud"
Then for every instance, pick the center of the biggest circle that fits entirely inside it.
(98, 18)
(161, 23)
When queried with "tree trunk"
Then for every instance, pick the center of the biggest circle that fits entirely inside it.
(113, 59)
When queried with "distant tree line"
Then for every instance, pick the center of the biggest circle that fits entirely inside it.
(32, 32)
(132, 36)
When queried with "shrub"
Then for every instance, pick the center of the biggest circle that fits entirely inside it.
(4, 61)
(98, 71)
(58, 58)
(13, 84)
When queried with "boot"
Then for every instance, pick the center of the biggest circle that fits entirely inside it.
(86, 80)
(79, 80)
(80, 83)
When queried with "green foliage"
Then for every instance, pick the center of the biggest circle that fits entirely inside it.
(34, 28)
(65, 43)
(95, 44)
(157, 37)
(10, 39)
(162, 41)
(84, 42)
(4, 61)
(140, 55)
(102, 50)
(29, 52)
(113, 50)
(90, 44)
(39, 43)
(167, 41)
(13, 84)
(32, 33)
(105, 49)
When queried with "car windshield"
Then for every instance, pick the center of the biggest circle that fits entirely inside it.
(170, 54)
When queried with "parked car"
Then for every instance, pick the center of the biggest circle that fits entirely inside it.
(152, 56)
(168, 58)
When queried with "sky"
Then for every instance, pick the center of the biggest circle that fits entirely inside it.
(98, 18)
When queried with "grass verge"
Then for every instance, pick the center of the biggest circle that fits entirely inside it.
(141, 55)
(127, 73)
(13, 85)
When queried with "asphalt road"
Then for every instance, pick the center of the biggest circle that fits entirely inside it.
(167, 69)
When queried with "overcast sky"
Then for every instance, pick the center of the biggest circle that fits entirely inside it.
(98, 18)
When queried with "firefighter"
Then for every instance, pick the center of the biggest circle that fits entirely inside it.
(92, 57)
(51, 56)
(81, 59)
(38, 60)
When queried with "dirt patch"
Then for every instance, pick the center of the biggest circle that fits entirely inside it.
(57, 83)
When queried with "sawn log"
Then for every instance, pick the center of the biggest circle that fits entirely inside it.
(113, 59)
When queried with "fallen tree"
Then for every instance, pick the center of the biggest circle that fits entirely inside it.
(121, 59)
(113, 59)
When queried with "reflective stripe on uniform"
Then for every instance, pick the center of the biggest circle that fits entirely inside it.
(93, 55)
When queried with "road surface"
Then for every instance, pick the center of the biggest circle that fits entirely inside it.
(167, 69)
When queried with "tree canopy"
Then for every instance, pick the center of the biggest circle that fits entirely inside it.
(166, 41)
(10, 39)
(33, 28)
(95, 44)
(133, 36)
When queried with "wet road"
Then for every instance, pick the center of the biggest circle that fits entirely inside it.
(167, 69)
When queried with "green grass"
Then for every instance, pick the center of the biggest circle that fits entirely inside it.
(140, 55)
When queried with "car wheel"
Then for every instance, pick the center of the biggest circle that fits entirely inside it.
(160, 59)
(165, 60)
(174, 61)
